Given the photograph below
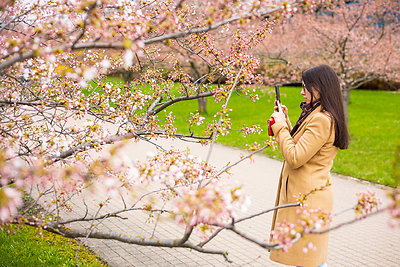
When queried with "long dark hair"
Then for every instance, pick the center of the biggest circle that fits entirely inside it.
(325, 81)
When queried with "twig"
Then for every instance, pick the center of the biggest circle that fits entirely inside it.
(242, 159)
(220, 119)
(349, 222)
(247, 218)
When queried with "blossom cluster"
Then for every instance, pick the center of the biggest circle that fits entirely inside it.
(253, 147)
(247, 130)
(284, 233)
(173, 168)
(197, 196)
(367, 202)
(195, 119)
(308, 220)
(213, 203)
(59, 180)
(169, 127)
(313, 219)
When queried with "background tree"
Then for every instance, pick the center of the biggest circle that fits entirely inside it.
(359, 39)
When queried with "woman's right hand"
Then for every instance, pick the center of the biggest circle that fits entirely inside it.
(284, 108)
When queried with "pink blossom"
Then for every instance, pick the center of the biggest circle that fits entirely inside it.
(367, 202)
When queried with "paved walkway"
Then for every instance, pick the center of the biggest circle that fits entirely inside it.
(369, 242)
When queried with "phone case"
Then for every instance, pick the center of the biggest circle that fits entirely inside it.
(270, 123)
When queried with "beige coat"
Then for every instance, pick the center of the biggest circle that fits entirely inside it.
(308, 160)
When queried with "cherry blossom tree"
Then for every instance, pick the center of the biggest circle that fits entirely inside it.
(59, 108)
(359, 39)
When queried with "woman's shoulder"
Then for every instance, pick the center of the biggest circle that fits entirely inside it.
(323, 117)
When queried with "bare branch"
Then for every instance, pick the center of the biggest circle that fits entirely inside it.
(152, 107)
(171, 243)
(115, 214)
(179, 99)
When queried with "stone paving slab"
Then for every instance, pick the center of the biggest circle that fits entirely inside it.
(370, 242)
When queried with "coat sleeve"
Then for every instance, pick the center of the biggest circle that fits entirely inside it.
(289, 124)
(315, 135)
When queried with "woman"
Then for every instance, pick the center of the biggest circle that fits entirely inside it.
(309, 149)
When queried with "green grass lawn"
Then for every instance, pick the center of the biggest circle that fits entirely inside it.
(27, 248)
(374, 124)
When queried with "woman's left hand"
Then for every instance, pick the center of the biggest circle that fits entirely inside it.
(278, 116)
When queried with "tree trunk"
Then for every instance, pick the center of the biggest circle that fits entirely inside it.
(346, 100)
(203, 100)
(202, 105)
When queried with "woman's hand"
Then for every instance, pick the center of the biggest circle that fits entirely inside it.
(284, 109)
(279, 116)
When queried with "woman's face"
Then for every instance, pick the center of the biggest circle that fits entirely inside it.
(307, 95)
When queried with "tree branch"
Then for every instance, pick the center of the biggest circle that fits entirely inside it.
(247, 218)
(120, 45)
(115, 138)
(88, 13)
(178, 99)
(14, 19)
(171, 243)
(110, 215)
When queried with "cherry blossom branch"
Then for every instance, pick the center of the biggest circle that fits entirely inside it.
(121, 45)
(265, 245)
(367, 77)
(91, 7)
(270, 246)
(222, 227)
(350, 28)
(220, 119)
(29, 103)
(115, 138)
(349, 222)
(14, 19)
(22, 84)
(152, 107)
(58, 228)
(158, 219)
(208, 28)
(248, 218)
(193, 52)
